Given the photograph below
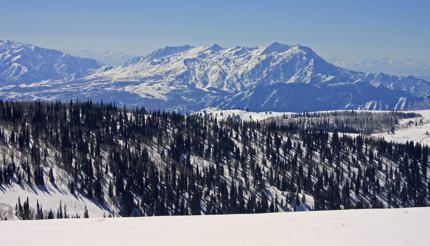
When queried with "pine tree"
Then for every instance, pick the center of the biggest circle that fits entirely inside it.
(51, 176)
(86, 214)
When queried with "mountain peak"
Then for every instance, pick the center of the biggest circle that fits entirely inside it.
(276, 47)
(9, 44)
(158, 54)
(213, 47)
(304, 49)
(167, 51)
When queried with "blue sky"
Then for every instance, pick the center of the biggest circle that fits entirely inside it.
(342, 29)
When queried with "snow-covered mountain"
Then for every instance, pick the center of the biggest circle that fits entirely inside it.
(24, 63)
(235, 69)
(276, 77)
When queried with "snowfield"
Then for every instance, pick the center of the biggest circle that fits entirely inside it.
(345, 227)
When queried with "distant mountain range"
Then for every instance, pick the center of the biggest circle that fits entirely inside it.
(387, 65)
(277, 77)
(110, 58)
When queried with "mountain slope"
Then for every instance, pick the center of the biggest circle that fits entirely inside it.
(24, 63)
(302, 97)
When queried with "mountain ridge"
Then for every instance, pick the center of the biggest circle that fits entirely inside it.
(189, 78)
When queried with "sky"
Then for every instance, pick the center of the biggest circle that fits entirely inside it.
(344, 29)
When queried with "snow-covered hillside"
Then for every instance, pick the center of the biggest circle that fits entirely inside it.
(412, 129)
(382, 227)
(416, 129)
(52, 196)
(276, 77)
(149, 164)
(49, 198)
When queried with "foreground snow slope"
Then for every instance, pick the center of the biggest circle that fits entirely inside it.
(348, 227)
